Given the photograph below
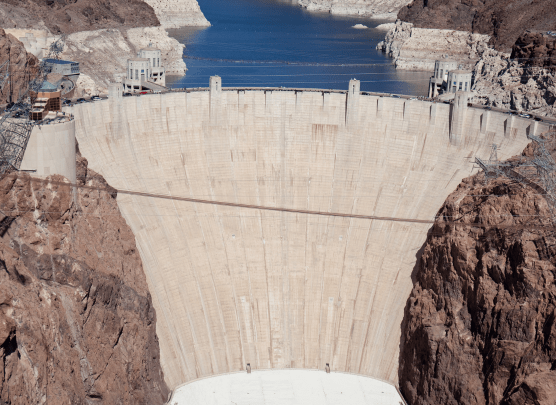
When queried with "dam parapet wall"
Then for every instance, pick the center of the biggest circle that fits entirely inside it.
(235, 285)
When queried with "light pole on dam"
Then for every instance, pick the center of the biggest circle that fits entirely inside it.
(288, 289)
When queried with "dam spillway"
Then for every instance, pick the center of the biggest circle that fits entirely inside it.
(275, 289)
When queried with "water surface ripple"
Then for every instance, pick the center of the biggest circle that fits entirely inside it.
(276, 43)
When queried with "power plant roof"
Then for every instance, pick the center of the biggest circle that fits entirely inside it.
(59, 61)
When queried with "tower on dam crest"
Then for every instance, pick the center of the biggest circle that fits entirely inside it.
(287, 225)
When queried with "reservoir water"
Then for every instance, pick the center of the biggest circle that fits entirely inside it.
(273, 43)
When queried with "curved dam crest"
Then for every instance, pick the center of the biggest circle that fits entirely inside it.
(235, 285)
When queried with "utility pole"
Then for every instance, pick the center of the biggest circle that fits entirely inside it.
(10, 73)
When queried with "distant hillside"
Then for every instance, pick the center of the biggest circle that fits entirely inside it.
(504, 20)
(68, 16)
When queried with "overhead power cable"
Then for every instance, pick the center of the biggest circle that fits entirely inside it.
(277, 209)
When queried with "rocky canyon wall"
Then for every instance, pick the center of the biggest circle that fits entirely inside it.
(480, 324)
(417, 48)
(77, 325)
(178, 13)
(503, 20)
(504, 82)
(21, 66)
(67, 16)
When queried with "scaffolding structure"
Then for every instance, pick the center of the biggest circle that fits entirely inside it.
(537, 172)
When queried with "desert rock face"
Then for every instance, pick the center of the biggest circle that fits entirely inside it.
(377, 8)
(178, 13)
(535, 49)
(67, 16)
(504, 82)
(24, 66)
(418, 48)
(480, 324)
(77, 325)
(503, 20)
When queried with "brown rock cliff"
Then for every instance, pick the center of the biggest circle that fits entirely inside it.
(480, 324)
(535, 49)
(77, 325)
(68, 16)
(24, 66)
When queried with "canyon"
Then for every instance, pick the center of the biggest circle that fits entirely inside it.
(250, 283)
(219, 239)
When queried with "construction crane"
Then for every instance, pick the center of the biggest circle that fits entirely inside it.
(16, 131)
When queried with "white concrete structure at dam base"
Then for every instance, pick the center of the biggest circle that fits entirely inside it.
(51, 150)
(286, 387)
(288, 222)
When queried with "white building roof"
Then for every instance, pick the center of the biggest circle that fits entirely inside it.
(287, 387)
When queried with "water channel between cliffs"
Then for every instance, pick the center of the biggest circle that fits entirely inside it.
(276, 43)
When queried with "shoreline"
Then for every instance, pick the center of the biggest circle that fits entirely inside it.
(374, 9)
(497, 78)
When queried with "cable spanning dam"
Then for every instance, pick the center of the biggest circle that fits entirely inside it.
(284, 288)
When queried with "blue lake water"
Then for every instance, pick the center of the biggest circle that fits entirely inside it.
(276, 43)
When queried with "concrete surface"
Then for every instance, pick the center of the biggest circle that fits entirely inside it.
(283, 290)
(287, 387)
(51, 150)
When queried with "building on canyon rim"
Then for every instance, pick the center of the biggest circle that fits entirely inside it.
(145, 72)
(279, 227)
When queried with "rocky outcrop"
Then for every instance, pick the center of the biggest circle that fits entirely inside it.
(67, 16)
(77, 325)
(24, 67)
(103, 54)
(383, 9)
(503, 20)
(503, 82)
(178, 13)
(480, 324)
(535, 49)
(417, 48)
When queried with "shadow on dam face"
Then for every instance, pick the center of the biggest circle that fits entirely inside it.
(275, 289)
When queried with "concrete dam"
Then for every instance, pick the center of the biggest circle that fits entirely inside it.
(261, 281)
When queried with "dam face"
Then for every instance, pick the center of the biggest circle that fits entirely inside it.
(275, 289)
